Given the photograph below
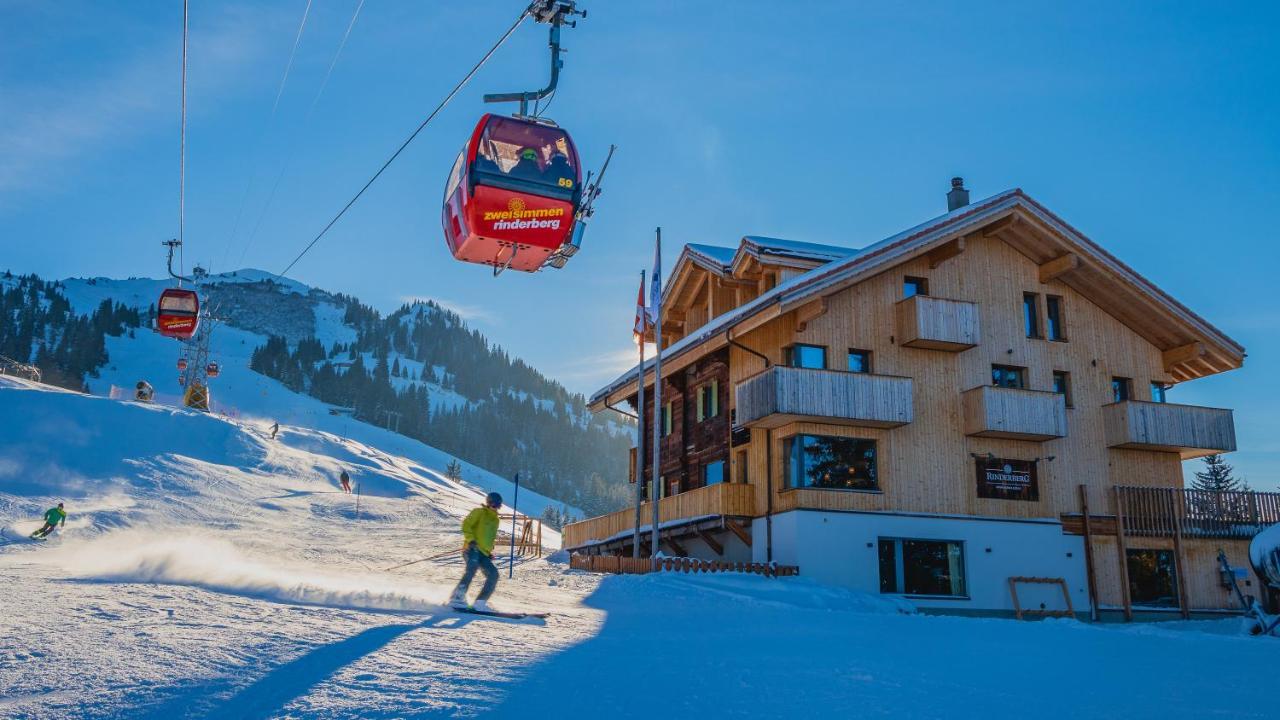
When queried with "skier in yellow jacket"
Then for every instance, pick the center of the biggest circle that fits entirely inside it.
(479, 532)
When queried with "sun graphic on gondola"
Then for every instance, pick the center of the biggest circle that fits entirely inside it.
(516, 205)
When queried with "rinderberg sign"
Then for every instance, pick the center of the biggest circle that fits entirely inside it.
(1007, 479)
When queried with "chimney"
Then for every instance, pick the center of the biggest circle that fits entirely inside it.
(957, 197)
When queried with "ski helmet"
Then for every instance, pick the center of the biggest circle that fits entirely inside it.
(493, 500)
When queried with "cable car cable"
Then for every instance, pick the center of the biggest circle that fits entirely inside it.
(182, 153)
(456, 88)
(292, 54)
(293, 137)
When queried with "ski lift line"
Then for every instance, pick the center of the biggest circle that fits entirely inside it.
(182, 151)
(293, 146)
(456, 88)
(292, 54)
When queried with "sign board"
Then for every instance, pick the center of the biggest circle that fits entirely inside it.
(1007, 479)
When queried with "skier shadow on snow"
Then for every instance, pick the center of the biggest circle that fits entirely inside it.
(282, 684)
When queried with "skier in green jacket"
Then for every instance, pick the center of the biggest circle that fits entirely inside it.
(479, 532)
(52, 518)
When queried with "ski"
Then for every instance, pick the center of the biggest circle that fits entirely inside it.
(495, 613)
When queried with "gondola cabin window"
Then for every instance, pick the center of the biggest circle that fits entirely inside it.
(512, 150)
(830, 463)
(1153, 578)
(930, 568)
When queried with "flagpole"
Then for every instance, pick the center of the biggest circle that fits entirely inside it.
(658, 414)
(639, 466)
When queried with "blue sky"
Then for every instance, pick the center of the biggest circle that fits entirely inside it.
(1151, 128)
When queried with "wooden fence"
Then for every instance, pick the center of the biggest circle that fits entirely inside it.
(1169, 512)
(618, 564)
(734, 499)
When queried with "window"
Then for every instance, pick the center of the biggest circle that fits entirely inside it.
(860, 361)
(526, 156)
(1153, 578)
(914, 286)
(1031, 314)
(1062, 385)
(819, 461)
(709, 401)
(1008, 376)
(666, 419)
(713, 473)
(1053, 312)
(742, 467)
(1158, 390)
(922, 567)
(1121, 389)
(455, 175)
(806, 356)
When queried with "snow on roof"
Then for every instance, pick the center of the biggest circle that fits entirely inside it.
(797, 248)
(721, 256)
(821, 277)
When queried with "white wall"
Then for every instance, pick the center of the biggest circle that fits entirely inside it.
(841, 548)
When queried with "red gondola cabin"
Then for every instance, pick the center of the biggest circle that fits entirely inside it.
(514, 189)
(178, 313)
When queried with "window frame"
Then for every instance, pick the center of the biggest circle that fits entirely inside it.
(866, 364)
(724, 477)
(795, 471)
(708, 403)
(1019, 371)
(789, 355)
(1159, 392)
(1055, 319)
(668, 419)
(1031, 316)
(919, 285)
(899, 568)
(1171, 564)
(1066, 386)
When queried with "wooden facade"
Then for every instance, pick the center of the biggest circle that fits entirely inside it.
(931, 413)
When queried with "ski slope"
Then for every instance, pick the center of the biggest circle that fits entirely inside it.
(207, 571)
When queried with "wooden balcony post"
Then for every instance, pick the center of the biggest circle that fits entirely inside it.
(1176, 510)
(1088, 554)
(1123, 549)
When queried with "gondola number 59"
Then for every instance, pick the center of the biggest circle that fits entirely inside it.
(566, 183)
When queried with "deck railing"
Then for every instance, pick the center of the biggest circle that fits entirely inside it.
(782, 394)
(619, 565)
(1190, 430)
(721, 499)
(1166, 512)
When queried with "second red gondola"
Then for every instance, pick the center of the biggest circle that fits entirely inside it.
(178, 313)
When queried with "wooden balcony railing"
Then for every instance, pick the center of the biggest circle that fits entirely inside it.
(735, 499)
(1189, 430)
(937, 323)
(1001, 412)
(1166, 512)
(784, 394)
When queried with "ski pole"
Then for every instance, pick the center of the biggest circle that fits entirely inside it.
(511, 559)
(357, 501)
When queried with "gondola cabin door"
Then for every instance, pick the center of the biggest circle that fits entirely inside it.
(512, 194)
(178, 313)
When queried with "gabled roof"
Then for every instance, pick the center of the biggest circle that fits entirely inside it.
(713, 257)
(1193, 347)
(770, 250)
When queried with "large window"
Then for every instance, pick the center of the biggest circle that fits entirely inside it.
(1053, 313)
(914, 286)
(839, 463)
(860, 361)
(666, 419)
(1031, 314)
(806, 356)
(526, 154)
(1121, 389)
(922, 567)
(709, 401)
(1153, 578)
(713, 473)
(1009, 376)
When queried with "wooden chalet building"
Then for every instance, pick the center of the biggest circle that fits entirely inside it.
(976, 400)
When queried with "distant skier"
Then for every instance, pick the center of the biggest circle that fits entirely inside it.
(345, 479)
(52, 518)
(479, 532)
(275, 428)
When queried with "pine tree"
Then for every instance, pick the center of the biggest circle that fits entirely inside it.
(1217, 476)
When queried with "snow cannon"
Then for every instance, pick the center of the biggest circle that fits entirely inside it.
(1264, 555)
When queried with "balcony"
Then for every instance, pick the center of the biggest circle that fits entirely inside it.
(937, 323)
(1189, 430)
(781, 395)
(720, 500)
(1012, 413)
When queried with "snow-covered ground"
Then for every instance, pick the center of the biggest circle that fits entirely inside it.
(208, 571)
